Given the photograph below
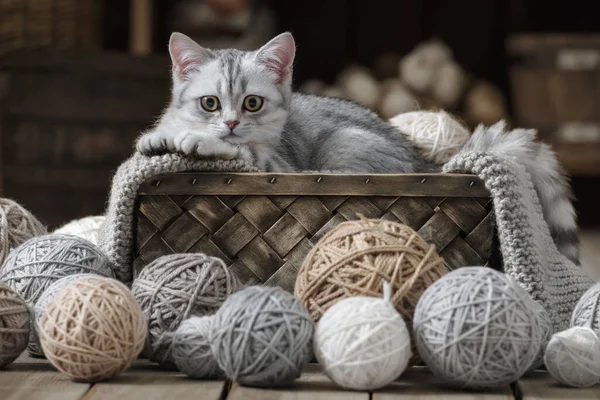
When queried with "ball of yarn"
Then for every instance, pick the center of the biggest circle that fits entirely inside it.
(86, 228)
(450, 83)
(34, 347)
(333, 91)
(17, 225)
(436, 135)
(396, 99)
(14, 325)
(419, 68)
(587, 311)
(484, 104)
(312, 86)
(356, 257)
(191, 348)
(262, 336)
(93, 329)
(175, 287)
(33, 266)
(358, 84)
(476, 328)
(573, 357)
(362, 342)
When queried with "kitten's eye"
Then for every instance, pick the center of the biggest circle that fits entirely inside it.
(210, 103)
(253, 103)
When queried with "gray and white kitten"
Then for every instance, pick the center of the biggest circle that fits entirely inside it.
(229, 103)
(236, 104)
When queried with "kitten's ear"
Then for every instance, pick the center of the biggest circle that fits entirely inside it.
(186, 54)
(278, 55)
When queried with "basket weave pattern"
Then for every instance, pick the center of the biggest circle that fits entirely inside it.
(265, 238)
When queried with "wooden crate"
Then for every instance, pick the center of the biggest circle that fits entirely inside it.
(67, 121)
(263, 225)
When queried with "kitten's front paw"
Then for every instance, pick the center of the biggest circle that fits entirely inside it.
(154, 143)
(205, 145)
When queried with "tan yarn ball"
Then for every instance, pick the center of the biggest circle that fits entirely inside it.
(357, 257)
(93, 329)
(14, 325)
(17, 225)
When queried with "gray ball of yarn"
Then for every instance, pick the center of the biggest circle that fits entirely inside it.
(476, 328)
(39, 262)
(191, 348)
(262, 336)
(34, 347)
(587, 310)
(17, 225)
(175, 287)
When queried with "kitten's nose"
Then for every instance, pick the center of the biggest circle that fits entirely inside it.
(231, 124)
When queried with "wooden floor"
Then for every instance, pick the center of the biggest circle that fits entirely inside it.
(34, 379)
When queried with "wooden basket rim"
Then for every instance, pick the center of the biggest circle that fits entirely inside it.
(315, 184)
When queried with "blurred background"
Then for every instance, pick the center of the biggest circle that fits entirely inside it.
(79, 79)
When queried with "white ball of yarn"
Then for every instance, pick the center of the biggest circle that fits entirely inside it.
(396, 99)
(435, 134)
(573, 357)
(474, 327)
(450, 83)
(87, 228)
(362, 342)
(358, 84)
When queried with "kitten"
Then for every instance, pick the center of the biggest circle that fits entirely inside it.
(235, 104)
(229, 103)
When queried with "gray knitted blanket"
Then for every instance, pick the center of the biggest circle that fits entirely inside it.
(529, 254)
(117, 233)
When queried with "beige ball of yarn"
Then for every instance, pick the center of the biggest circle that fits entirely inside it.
(573, 357)
(485, 104)
(86, 228)
(17, 225)
(396, 99)
(358, 84)
(93, 329)
(450, 83)
(356, 257)
(333, 91)
(175, 287)
(14, 325)
(312, 86)
(35, 348)
(436, 135)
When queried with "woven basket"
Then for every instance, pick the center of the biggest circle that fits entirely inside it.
(49, 24)
(263, 225)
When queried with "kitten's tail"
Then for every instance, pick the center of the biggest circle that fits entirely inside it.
(548, 176)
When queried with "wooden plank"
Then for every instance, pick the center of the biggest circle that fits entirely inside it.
(431, 185)
(540, 386)
(420, 383)
(312, 385)
(140, 36)
(145, 381)
(36, 379)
